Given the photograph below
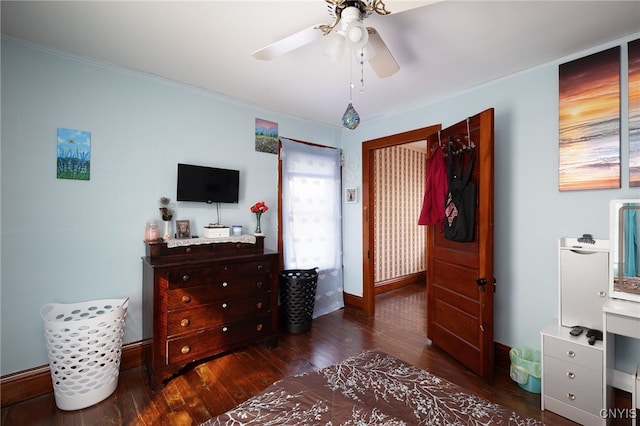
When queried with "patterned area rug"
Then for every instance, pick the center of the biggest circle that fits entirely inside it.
(372, 388)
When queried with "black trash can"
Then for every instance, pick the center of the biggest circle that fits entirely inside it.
(297, 298)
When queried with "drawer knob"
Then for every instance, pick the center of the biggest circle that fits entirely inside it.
(224, 284)
(571, 354)
(184, 322)
(186, 298)
(185, 278)
(225, 328)
(188, 250)
(571, 374)
(571, 396)
(185, 349)
(259, 305)
(259, 327)
(259, 284)
(224, 305)
(260, 267)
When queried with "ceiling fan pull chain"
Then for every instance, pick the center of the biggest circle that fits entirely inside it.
(350, 118)
(362, 70)
(350, 82)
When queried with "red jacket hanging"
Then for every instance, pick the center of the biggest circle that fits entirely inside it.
(436, 187)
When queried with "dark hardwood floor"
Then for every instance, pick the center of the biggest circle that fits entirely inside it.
(215, 386)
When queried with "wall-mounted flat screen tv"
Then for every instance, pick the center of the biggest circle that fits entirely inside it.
(207, 184)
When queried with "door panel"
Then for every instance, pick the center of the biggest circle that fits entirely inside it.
(458, 320)
(459, 305)
(457, 276)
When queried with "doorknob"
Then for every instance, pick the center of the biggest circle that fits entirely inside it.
(481, 283)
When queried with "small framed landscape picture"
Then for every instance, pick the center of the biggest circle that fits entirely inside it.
(351, 195)
(183, 229)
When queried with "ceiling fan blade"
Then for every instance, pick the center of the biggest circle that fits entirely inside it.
(398, 6)
(383, 62)
(289, 43)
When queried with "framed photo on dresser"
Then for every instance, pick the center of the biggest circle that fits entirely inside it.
(183, 229)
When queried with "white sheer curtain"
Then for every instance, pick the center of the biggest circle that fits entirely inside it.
(312, 218)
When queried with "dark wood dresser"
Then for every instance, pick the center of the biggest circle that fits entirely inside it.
(204, 300)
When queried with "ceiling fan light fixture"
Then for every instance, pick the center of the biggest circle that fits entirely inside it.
(335, 47)
(356, 35)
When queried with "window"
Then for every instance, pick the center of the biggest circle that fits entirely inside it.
(312, 218)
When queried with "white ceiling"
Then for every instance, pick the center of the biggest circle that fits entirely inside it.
(442, 47)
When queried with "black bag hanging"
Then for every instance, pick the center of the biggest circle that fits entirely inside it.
(460, 204)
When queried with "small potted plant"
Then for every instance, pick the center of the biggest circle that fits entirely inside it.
(167, 215)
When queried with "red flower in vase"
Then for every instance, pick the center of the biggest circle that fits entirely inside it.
(259, 207)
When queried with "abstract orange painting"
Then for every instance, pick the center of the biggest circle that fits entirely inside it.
(589, 122)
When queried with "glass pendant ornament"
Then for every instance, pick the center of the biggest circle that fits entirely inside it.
(350, 118)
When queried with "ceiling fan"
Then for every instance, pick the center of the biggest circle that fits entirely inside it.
(350, 33)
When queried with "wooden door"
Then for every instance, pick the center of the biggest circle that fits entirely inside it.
(460, 278)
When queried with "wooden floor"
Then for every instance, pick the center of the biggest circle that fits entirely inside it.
(215, 386)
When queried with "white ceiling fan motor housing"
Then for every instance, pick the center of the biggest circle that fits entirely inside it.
(355, 33)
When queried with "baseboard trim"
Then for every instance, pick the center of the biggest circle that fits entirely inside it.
(34, 382)
(353, 302)
(501, 359)
(399, 282)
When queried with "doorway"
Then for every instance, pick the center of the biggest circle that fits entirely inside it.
(460, 279)
(368, 207)
(399, 241)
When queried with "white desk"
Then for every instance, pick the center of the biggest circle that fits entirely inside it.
(621, 318)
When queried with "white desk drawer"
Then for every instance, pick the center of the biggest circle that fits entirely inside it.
(583, 399)
(623, 325)
(586, 356)
(572, 375)
(570, 412)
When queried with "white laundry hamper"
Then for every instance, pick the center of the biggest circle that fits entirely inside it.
(84, 342)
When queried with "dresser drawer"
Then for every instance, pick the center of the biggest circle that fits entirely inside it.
(187, 297)
(183, 350)
(214, 314)
(572, 352)
(589, 400)
(217, 273)
(572, 375)
(157, 251)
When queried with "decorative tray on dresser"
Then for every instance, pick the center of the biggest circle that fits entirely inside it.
(205, 297)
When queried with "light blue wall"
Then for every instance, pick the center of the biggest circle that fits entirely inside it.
(530, 213)
(71, 241)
